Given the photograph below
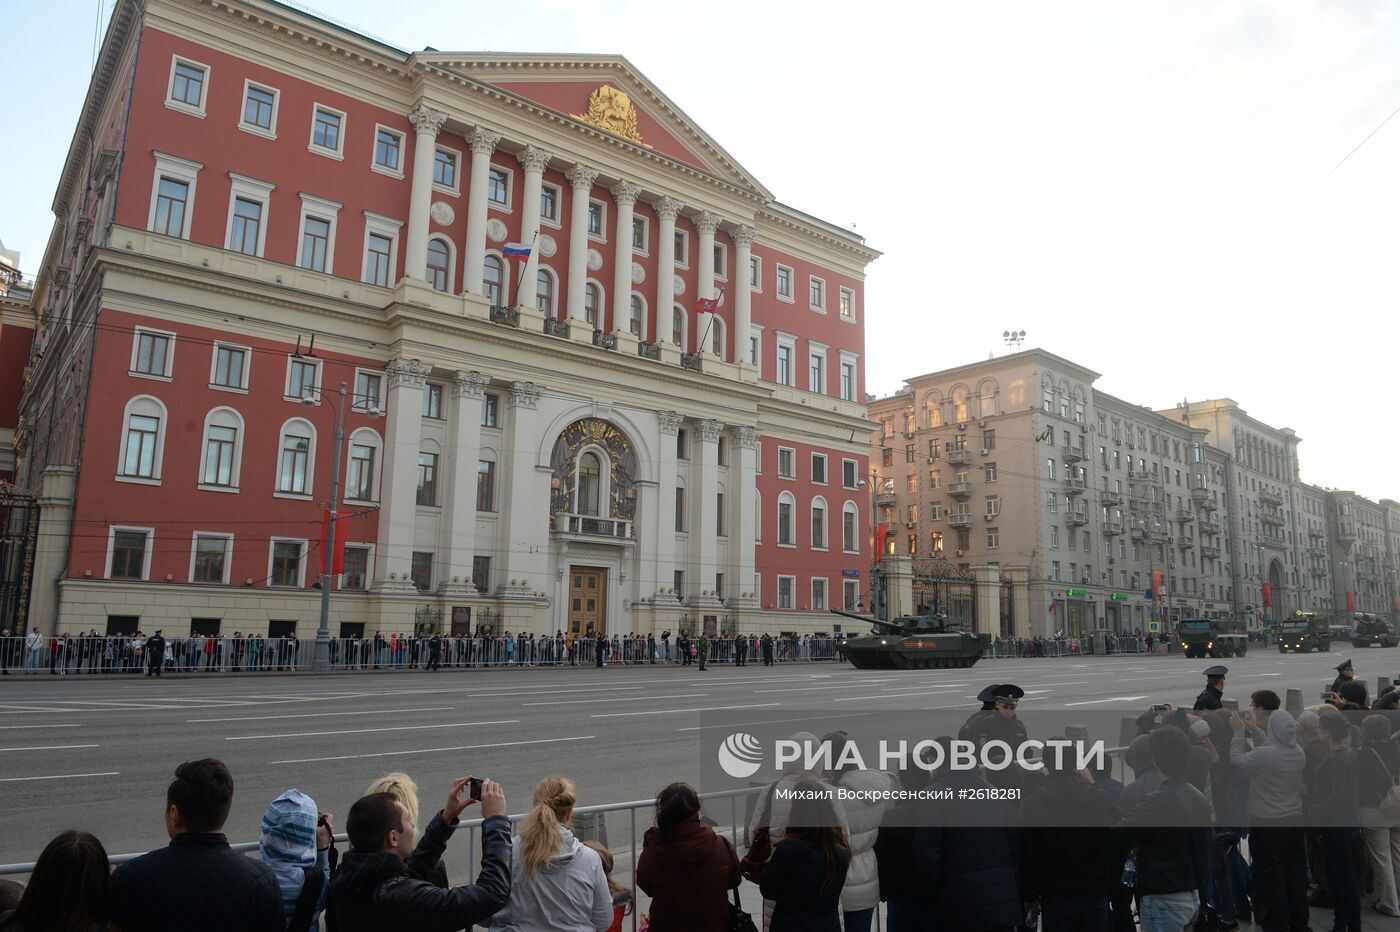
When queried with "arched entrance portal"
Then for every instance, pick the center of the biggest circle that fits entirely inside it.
(1276, 611)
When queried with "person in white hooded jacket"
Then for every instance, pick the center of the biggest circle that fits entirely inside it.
(558, 883)
(861, 893)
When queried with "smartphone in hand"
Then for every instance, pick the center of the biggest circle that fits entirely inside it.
(474, 789)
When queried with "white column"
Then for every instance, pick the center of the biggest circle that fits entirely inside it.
(743, 468)
(522, 498)
(533, 160)
(665, 523)
(625, 195)
(743, 304)
(667, 209)
(581, 177)
(705, 224)
(426, 123)
(459, 501)
(704, 523)
(398, 486)
(483, 143)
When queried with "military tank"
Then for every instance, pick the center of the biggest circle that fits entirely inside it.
(1370, 630)
(913, 642)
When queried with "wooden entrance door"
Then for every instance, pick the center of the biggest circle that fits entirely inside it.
(587, 600)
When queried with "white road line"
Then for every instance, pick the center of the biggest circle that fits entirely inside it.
(625, 699)
(1114, 699)
(921, 692)
(930, 683)
(1067, 683)
(54, 747)
(19, 709)
(365, 731)
(713, 708)
(828, 687)
(464, 747)
(19, 727)
(60, 776)
(776, 721)
(277, 717)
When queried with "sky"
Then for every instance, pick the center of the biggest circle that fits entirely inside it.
(1149, 189)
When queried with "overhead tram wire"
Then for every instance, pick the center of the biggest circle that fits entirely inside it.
(1361, 143)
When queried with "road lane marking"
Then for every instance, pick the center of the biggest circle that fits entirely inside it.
(624, 699)
(713, 708)
(263, 718)
(464, 747)
(19, 727)
(54, 747)
(60, 776)
(1113, 699)
(776, 721)
(921, 692)
(365, 731)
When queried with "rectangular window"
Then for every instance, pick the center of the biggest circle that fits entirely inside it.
(680, 510)
(247, 225)
(993, 503)
(427, 478)
(152, 354)
(139, 458)
(755, 273)
(498, 187)
(1052, 502)
(818, 595)
(432, 401)
(786, 584)
(378, 257)
(485, 485)
(171, 200)
(639, 234)
(816, 373)
(678, 582)
(849, 531)
(784, 283)
(359, 481)
(848, 381)
(422, 571)
(388, 150)
(210, 556)
(445, 169)
(481, 573)
(989, 440)
(218, 455)
(850, 594)
(989, 472)
(367, 391)
(787, 468)
(315, 243)
(292, 468)
(258, 105)
(286, 563)
(490, 410)
(128, 554)
(682, 250)
(848, 474)
(356, 568)
(784, 365)
(993, 538)
(720, 270)
(819, 468)
(1054, 535)
(301, 379)
(1049, 468)
(933, 479)
(720, 529)
(229, 366)
(595, 219)
(549, 203)
(326, 129)
(187, 86)
(682, 444)
(816, 289)
(848, 304)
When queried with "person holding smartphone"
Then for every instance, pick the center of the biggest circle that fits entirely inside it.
(376, 886)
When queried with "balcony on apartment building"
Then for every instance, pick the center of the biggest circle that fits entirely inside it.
(1112, 528)
(1185, 515)
(1110, 498)
(1209, 526)
(959, 519)
(959, 489)
(1076, 518)
(958, 457)
(1270, 497)
(1073, 454)
(1076, 485)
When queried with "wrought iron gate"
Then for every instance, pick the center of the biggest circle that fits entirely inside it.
(19, 528)
(945, 589)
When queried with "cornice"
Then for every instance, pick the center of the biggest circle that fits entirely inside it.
(781, 216)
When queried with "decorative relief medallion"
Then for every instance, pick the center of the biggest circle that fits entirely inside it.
(611, 110)
(639, 274)
(442, 213)
(548, 246)
(595, 260)
(496, 230)
(679, 285)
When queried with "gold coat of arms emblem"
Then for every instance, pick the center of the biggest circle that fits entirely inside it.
(611, 110)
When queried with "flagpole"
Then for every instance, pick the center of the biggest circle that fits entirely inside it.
(520, 281)
(709, 324)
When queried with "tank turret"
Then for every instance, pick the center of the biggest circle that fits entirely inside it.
(913, 642)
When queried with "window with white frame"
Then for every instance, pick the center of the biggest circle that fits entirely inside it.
(381, 249)
(303, 378)
(316, 239)
(593, 304)
(485, 485)
(493, 277)
(784, 286)
(551, 199)
(993, 538)
(850, 474)
(209, 557)
(247, 214)
(223, 450)
(848, 377)
(129, 552)
(850, 527)
(327, 131)
(427, 489)
(850, 594)
(848, 304)
(678, 327)
(143, 439)
(172, 196)
(818, 523)
(229, 368)
(787, 505)
(787, 351)
(439, 265)
(786, 585)
(597, 220)
(432, 401)
(285, 564)
(818, 594)
(152, 353)
(294, 461)
(446, 166)
(682, 512)
(721, 517)
(640, 230)
(498, 186)
(787, 463)
(421, 570)
(368, 389)
(993, 505)
(816, 369)
(819, 469)
(388, 151)
(721, 262)
(755, 344)
(637, 320)
(189, 86)
(756, 273)
(682, 249)
(362, 470)
(545, 290)
(259, 110)
(356, 567)
(816, 293)
(717, 340)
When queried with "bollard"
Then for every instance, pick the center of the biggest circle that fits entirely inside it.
(591, 826)
(1293, 703)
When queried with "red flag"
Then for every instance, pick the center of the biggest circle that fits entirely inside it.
(338, 560)
(880, 533)
(1157, 584)
(707, 305)
(1351, 601)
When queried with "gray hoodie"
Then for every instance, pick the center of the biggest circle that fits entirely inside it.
(568, 894)
(1275, 769)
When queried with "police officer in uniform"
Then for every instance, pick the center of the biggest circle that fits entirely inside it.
(1345, 674)
(741, 651)
(702, 650)
(155, 654)
(1210, 697)
(996, 720)
(766, 645)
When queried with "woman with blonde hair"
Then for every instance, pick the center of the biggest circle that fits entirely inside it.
(557, 882)
(425, 863)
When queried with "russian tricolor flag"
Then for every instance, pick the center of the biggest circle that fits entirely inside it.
(516, 249)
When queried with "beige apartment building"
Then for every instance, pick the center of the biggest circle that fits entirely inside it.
(1123, 517)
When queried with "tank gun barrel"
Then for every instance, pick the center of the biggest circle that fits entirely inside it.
(887, 627)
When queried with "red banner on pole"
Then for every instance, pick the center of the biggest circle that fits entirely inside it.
(881, 532)
(338, 558)
(1268, 596)
(1351, 601)
(1156, 584)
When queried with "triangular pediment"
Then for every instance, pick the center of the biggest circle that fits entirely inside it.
(607, 93)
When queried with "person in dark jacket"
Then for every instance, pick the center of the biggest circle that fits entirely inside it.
(1334, 811)
(1345, 674)
(1379, 763)
(909, 904)
(686, 868)
(1170, 834)
(967, 855)
(69, 891)
(1068, 863)
(374, 889)
(155, 654)
(807, 869)
(197, 881)
(1210, 697)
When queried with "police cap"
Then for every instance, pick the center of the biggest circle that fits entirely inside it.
(1216, 672)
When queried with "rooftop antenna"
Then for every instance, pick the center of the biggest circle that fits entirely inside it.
(1014, 339)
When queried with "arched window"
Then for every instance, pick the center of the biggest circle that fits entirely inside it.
(143, 438)
(296, 457)
(678, 327)
(223, 449)
(544, 291)
(637, 322)
(818, 523)
(960, 404)
(590, 484)
(1047, 396)
(786, 505)
(362, 470)
(987, 399)
(439, 270)
(493, 276)
(592, 303)
(850, 527)
(933, 410)
(717, 335)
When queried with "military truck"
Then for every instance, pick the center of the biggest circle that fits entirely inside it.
(1302, 632)
(913, 642)
(1370, 630)
(1212, 637)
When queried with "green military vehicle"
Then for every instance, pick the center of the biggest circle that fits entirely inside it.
(1370, 630)
(913, 642)
(1212, 637)
(1302, 632)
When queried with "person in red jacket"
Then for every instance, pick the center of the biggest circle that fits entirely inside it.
(686, 868)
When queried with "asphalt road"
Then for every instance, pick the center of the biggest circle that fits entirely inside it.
(97, 752)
